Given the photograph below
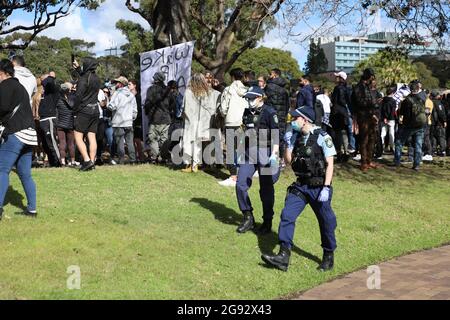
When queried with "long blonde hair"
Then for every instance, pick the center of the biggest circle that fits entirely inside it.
(199, 85)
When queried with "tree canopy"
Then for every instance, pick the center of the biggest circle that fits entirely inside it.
(316, 61)
(390, 66)
(45, 14)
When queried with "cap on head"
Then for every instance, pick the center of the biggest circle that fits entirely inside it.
(341, 74)
(159, 77)
(254, 92)
(305, 112)
(121, 80)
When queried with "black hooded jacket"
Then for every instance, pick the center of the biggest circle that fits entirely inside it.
(87, 88)
(47, 107)
(12, 94)
(278, 96)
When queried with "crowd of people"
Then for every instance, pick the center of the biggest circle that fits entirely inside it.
(85, 122)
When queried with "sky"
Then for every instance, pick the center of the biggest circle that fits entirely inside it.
(99, 26)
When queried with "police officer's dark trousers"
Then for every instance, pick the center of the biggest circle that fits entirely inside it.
(296, 200)
(268, 176)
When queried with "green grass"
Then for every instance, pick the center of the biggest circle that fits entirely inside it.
(153, 233)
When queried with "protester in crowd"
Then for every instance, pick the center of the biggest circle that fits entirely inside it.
(47, 118)
(378, 98)
(64, 123)
(324, 98)
(107, 122)
(363, 105)
(157, 107)
(305, 96)
(177, 120)
(438, 126)
(102, 100)
(24, 75)
(388, 118)
(38, 152)
(249, 79)
(262, 82)
(213, 82)
(412, 123)
(200, 103)
(339, 118)
(86, 111)
(427, 148)
(137, 123)
(278, 97)
(17, 137)
(232, 106)
(124, 111)
(310, 151)
(261, 155)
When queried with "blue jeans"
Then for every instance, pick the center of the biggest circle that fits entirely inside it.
(351, 136)
(417, 141)
(13, 152)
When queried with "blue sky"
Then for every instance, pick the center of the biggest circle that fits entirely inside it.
(99, 26)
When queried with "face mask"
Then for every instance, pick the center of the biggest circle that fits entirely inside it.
(296, 126)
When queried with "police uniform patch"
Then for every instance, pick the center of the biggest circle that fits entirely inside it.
(329, 142)
(275, 118)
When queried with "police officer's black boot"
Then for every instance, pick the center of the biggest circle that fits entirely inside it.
(280, 261)
(248, 223)
(265, 228)
(327, 261)
(1, 213)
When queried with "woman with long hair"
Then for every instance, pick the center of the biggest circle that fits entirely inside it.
(200, 103)
(18, 136)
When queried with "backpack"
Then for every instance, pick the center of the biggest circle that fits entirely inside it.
(418, 116)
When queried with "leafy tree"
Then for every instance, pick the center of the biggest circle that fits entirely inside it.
(46, 13)
(426, 76)
(316, 61)
(111, 67)
(45, 54)
(223, 29)
(439, 66)
(390, 66)
(261, 60)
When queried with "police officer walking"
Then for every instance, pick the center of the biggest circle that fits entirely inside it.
(310, 150)
(261, 148)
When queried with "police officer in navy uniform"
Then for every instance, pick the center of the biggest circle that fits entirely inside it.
(310, 151)
(261, 149)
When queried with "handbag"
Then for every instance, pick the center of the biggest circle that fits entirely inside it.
(3, 124)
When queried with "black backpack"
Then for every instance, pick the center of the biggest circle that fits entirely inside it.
(418, 116)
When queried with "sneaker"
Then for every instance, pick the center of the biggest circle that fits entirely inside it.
(230, 182)
(357, 158)
(350, 150)
(112, 162)
(427, 157)
(1, 213)
(31, 214)
(87, 166)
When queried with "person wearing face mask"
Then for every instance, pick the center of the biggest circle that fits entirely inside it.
(310, 151)
(260, 153)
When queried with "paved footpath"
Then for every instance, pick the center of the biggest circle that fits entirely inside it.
(421, 275)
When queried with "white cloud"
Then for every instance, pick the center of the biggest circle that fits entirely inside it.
(92, 26)
(275, 39)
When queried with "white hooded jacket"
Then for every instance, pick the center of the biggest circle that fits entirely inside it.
(124, 108)
(27, 79)
(233, 104)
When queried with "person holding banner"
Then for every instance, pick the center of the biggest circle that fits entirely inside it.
(200, 102)
(157, 108)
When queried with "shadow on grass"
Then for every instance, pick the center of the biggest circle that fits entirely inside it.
(15, 199)
(266, 243)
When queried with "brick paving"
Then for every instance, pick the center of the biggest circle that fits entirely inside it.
(422, 275)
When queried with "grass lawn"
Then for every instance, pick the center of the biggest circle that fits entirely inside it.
(149, 232)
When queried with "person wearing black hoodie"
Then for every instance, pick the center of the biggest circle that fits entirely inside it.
(64, 116)
(278, 97)
(18, 137)
(47, 118)
(86, 111)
